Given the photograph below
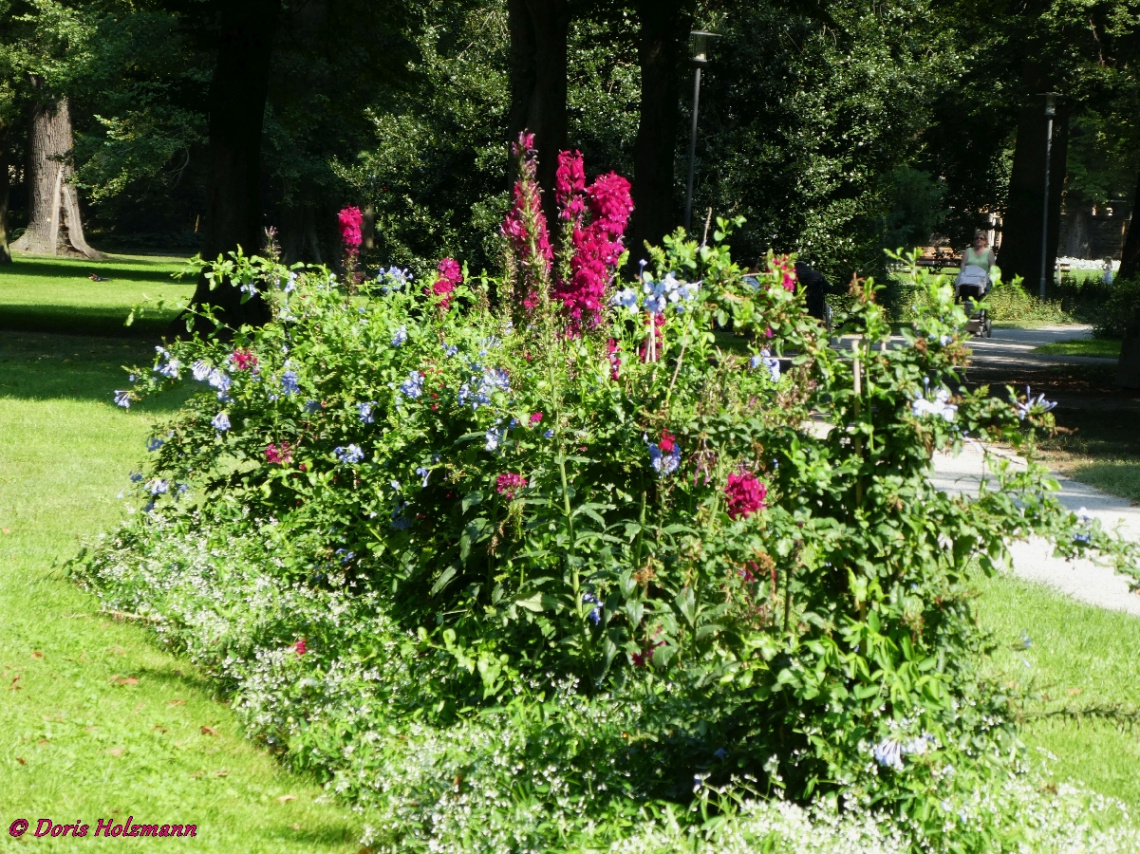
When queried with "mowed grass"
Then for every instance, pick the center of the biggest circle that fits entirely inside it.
(96, 719)
(1104, 347)
(1079, 679)
(41, 294)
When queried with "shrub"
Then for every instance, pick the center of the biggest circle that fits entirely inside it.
(543, 524)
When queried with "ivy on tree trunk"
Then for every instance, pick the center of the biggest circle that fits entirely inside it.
(55, 225)
(237, 108)
(1128, 369)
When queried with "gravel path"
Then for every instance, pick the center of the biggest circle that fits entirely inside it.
(1009, 352)
(1081, 579)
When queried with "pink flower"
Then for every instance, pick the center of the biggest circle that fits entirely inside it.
(350, 220)
(569, 185)
(642, 659)
(611, 203)
(613, 351)
(745, 495)
(508, 482)
(535, 417)
(667, 443)
(244, 360)
(450, 275)
(299, 647)
(279, 455)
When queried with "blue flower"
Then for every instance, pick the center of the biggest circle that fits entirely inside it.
(154, 443)
(157, 486)
(400, 336)
(627, 299)
(549, 434)
(123, 399)
(495, 437)
(425, 473)
(393, 279)
(172, 369)
(289, 382)
(365, 410)
(595, 614)
(312, 406)
(200, 370)
(291, 283)
(136, 477)
(351, 454)
(221, 422)
(889, 754)
(664, 463)
(413, 386)
(1032, 403)
(450, 349)
(249, 288)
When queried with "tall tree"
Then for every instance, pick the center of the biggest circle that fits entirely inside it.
(661, 52)
(55, 224)
(236, 114)
(539, 30)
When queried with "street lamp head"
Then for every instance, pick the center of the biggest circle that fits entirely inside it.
(1050, 103)
(701, 42)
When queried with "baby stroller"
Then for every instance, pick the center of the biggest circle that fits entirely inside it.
(971, 287)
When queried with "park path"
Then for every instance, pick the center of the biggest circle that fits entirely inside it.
(1009, 353)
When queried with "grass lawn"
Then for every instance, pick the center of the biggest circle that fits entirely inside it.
(96, 720)
(1104, 347)
(41, 294)
(1079, 678)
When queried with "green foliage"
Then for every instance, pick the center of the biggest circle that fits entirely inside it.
(368, 531)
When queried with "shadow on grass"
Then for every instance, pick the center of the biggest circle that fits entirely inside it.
(127, 269)
(35, 366)
(103, 321)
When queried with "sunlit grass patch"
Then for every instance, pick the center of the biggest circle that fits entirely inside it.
(97, 720)
(44, 294)
(1104, 347)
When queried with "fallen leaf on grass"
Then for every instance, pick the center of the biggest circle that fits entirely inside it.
(284, 799)
(209, 730)
(1075, 691)
(296, 827)
(6, 530)
(21, 760)
(117, 751)
(125, 680)
(37, 654)
(14, 686)
(222, 773)
(177, 703)
(42, 742)
(90, 728)
(160, 728)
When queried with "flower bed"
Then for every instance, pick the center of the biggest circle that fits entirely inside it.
(517, 564)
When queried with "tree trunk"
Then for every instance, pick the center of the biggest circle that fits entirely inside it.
(5, 256)
(1128, 370)
(538, 68)
(665, 26)
(1076, 242)
(55, 225)
(1130, 256)
(1021, 229)
(233, 191)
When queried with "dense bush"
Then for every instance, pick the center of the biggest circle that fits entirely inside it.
(517, 563)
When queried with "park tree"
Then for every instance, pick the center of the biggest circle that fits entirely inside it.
(47, 44)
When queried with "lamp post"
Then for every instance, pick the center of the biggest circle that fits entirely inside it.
(1050, 112)
(701, 41)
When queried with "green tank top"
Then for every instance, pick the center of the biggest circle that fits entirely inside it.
(973, 259)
